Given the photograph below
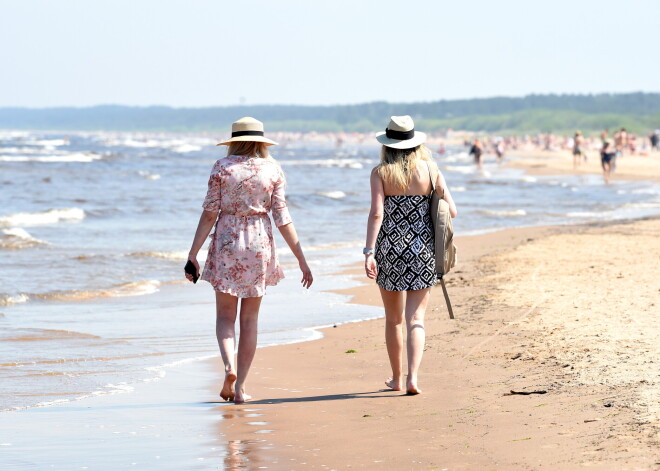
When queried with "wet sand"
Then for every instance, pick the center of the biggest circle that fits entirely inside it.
(564, 315)
(628, 167)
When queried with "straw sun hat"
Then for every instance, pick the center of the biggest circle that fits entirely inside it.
(247, 129)
(401, 134)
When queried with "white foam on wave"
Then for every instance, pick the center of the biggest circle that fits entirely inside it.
(528, 179)
(457, 189)
(335, 195)
(12, 299)
(584, 214)
(514, 212)
(49, 142)
(173, 255)
(17, 238)
(185, 148)
(79, 157)
(464, 169)
(52, 216)
(131, 288)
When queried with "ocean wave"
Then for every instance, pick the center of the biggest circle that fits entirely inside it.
(464, 169)
(48, 142)
(32, 335)
(185, 148)
(513, 212)
(457, 189)
(17, 238)
(181, 255)
(52, 216)
(132, 288)
(335, 195)
(341, 163)
(77, 157)
(11, 299)
(584, 214)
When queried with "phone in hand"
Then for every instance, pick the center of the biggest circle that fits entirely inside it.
(191, 270)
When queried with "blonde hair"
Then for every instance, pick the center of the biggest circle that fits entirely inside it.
(397, 166)
(249, 148)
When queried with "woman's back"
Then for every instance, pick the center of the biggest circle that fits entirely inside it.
(420, 182)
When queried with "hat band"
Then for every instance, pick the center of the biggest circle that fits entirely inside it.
(400, 135)
(247, 133)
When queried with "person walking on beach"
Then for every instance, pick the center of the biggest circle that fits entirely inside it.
(399, 249)
(243, 187)
(578, 149)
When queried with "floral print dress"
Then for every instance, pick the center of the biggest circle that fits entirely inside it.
(242, 259)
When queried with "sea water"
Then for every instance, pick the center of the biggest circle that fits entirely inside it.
(95, 228)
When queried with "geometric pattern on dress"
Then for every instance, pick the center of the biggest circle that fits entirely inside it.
(405, 244)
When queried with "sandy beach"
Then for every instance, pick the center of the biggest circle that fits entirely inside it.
(629, 167)
(549, 364)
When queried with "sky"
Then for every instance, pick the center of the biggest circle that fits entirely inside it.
(198, 53)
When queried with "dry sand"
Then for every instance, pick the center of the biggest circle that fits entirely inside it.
(628, 167)
(570, 311)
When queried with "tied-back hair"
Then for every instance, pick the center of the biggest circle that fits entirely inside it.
(249, 148)
(397, 166)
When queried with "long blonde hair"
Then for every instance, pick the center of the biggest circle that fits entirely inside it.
(397, 166)
(249, 148)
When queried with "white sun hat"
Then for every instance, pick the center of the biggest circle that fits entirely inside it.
(401, 134)
(247, 129)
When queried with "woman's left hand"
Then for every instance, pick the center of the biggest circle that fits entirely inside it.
(307, 278)
(370, 266)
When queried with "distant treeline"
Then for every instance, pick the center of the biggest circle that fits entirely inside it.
(638, 112)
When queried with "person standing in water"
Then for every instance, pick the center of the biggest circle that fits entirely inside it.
(607, 159)
(399, 249)
(243, 188)
(477, 150)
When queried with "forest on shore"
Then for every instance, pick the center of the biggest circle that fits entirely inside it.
(638, 112)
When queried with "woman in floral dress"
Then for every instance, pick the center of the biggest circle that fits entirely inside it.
(242, 261)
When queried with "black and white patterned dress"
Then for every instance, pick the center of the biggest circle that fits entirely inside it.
(405, 244)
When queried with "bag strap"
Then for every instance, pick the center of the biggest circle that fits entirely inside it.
(433, 180)
(444, 290)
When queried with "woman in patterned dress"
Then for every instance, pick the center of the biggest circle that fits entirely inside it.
(399, 251)
(243, 187)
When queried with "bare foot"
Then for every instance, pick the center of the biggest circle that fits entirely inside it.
(227, 392)
(241, 397)
(412, 389)
(393, 385)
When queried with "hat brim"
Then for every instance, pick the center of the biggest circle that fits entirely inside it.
(417, 139)
(265, 140)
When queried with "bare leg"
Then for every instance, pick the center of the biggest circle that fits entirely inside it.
(225, 305)
(247, 344)
(393, 302)
(607, 168)
(415, 309)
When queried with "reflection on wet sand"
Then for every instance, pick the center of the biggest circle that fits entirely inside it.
(243, 450)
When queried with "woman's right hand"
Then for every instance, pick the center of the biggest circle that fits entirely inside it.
(307, 278)
(370, 266)
(194, 262)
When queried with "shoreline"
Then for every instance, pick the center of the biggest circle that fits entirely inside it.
(313, 397)
(464, 419)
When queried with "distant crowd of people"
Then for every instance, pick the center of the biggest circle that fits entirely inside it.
(622, 142)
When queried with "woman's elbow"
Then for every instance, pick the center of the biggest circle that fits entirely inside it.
(209, 216)
(375, 215)
(453, 212)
